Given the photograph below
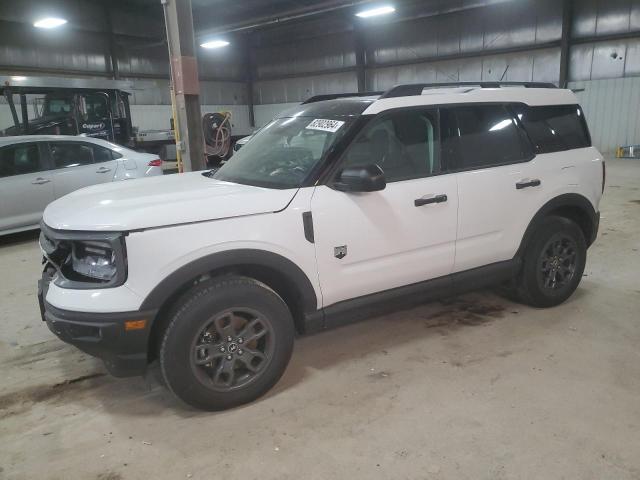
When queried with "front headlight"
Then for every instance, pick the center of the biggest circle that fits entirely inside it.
(85, 260)
(94, 260)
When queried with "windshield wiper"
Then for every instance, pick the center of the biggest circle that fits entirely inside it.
(210, 173)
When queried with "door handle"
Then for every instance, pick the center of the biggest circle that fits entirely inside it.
(103, 170)
(418, 202)
(528, 183)
(40, 181)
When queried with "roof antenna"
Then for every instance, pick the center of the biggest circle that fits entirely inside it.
(504, 73)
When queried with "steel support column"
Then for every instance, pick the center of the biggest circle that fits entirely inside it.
(111, 42)
(184, 77)
(361, 58)
(250, 76)
(565, 42)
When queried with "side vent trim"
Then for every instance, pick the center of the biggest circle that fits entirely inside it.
(307, 222)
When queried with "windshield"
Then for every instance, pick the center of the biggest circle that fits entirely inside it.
(56, 106)
(283, 153)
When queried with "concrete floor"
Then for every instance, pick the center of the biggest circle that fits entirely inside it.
(474, 388)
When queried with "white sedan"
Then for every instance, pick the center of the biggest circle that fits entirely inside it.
(37, 169)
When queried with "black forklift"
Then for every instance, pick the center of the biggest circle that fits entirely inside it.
(69, 110)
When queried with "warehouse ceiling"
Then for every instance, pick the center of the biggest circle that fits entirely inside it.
(221, 16)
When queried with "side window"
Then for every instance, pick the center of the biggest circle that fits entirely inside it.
(404, 144)
(554, 128)
(482, 136)
(19, 160)
(97, 107)
(101, 154)
(66, 155)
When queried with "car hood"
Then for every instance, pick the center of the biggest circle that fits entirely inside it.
(160, 201)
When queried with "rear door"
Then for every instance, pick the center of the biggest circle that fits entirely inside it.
(80, 164)
(499, 184)
(26, 186)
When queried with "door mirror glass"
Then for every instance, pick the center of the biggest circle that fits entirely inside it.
(368, 178)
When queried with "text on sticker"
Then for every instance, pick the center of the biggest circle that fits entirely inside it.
(325, 125)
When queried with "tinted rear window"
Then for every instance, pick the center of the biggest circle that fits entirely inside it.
(19, 159)
(555, 128)
(481, 136)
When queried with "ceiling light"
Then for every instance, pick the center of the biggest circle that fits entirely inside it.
(214, 44)
(49, 22)
(18, 78)
(374, 12)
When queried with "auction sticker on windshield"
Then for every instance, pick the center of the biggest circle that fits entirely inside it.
(325, 125)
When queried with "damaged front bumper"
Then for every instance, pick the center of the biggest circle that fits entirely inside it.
(120, 339)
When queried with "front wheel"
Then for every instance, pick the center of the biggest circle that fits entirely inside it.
(228, 343)
(553, 263)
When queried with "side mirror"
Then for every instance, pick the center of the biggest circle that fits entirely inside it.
(369, 178)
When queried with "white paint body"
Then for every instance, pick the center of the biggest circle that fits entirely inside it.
(23, 198)
(390, 242)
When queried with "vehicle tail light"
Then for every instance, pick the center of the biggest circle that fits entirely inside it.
(604, 174)
(155, 163)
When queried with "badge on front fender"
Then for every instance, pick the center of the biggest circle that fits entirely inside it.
(340, 252)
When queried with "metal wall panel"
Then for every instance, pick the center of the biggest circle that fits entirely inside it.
(300, 88)
(611, 110)
(604, 17)
(538, 65)
(156, 92)
(24, 46)
(265, 113)
(611, 59)
(501, 26)
(143, 58)
(323, 53)
(222, 63)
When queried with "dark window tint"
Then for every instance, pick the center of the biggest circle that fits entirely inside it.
(101, 154)
(404, 144)
(554, 128)
(19, 159)
(67, 155)
(97, 107)
(115, 155)
(481, 136)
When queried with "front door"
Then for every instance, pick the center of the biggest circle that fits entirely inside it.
(96, 119)
(26, 186)
(371, 242)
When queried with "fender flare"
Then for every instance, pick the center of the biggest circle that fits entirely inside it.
(233, 258)
(573, 200)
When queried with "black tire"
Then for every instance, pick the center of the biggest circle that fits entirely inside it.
(553, 263)
(194, 336)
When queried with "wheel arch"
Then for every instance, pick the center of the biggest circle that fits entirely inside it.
(573, 206)
(279, 273)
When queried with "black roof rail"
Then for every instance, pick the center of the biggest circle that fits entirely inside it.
(332, 96)
(413, 89)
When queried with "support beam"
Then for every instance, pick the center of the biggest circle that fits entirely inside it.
(111, 42)
(184, 77)
(249, 66)
(565, 42)
(25, 113)
(361, 58)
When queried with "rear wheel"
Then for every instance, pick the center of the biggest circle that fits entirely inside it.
(227, 344)
(554, 262)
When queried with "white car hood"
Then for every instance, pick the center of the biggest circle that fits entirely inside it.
(160, 201)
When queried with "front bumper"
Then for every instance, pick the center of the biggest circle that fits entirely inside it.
(103, 335)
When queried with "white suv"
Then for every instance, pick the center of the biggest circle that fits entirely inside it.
(335, 210)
